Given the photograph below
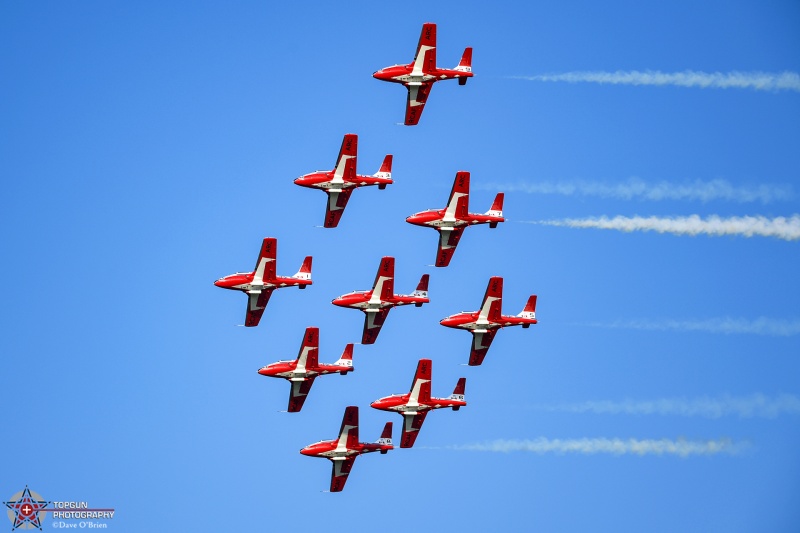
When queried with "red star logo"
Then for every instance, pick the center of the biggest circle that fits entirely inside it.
(26, 506)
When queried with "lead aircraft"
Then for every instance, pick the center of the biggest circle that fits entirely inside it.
(486, 322)
(451, 221)
(420, 75)
(342, 452)
(340, 182)
(302, 371)
(416, 404)
(377, 302)
(259, 284)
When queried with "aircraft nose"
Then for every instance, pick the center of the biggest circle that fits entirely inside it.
(306, 451)
(218, 283)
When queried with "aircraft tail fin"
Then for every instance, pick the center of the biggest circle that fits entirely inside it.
(497, 206)
(346, 360)
(386, 435)
(458, 392)
(305, 270)
(385, 172)
(465, 65)
(529, 311)
(422, 287)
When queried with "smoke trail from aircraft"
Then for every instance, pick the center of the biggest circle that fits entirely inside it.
(786, 228)
(641, 447)
(758, 81)
(770, 327)
(754, 406)
(638, 189)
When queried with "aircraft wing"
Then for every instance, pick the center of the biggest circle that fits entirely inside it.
(411, 426)
(480, 346)
(256, 304)
(337, 201)
(298, 393)
(448, 240)
(417, 97)
(372, 325)
(341, 469)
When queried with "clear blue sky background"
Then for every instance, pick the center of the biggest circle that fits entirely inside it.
(146, 148)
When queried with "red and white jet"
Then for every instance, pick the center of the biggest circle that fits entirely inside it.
(302, 371)
(344, 450)
(451, 221)
(485, 323)
(340, 182)
(377, 303)
(259, 284)
(420, 75)
(415, 405)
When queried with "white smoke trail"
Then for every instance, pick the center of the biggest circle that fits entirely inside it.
(759, 81)
(638, 189)
(787, 228)
(541, 445)
(771, 327)
(755, 406)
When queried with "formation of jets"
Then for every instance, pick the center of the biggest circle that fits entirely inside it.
(450, 221)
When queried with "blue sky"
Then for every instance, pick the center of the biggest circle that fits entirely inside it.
(148, 148)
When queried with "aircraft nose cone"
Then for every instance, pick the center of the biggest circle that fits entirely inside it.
(306, 451)
(218, 283)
